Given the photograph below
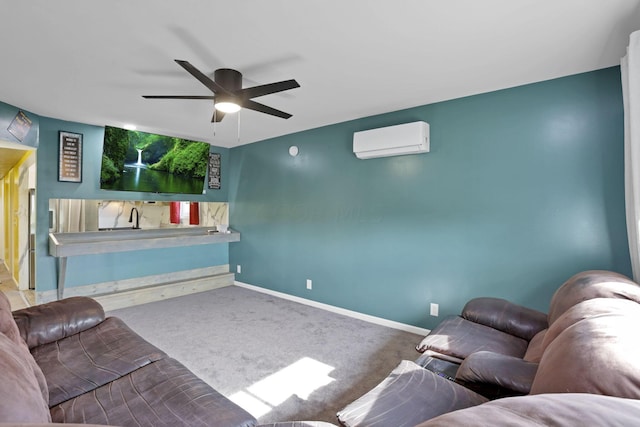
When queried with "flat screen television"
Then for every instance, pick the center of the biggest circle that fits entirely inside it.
(140, 161)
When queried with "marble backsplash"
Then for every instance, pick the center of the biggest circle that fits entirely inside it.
(115, 214)
(77, 215)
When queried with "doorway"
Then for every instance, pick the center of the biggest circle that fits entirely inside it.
(17, 188)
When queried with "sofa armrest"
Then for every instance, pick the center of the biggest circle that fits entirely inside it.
(45, 323)
(485, 369)
(505, 316)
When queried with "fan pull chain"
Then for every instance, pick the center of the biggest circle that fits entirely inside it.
(215, 112)
(239, 126)
(214, 125)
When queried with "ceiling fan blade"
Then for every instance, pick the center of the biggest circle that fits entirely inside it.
(217, 116)
(266, 89)
(202, 78)
(256, 106)
(178, 97)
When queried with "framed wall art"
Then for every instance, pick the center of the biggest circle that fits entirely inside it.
(70, 157)
(214, 171)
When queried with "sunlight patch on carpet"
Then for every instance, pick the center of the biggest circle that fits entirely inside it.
(299, 379)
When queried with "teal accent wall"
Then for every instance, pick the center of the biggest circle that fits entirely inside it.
(522, 188)
(84, 270)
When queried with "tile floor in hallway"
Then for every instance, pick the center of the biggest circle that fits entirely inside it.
(8, 286)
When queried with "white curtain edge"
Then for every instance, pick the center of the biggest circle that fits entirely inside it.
(630, 72)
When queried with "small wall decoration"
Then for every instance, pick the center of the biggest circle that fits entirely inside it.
(214, 171)
(70, 157)
(20, 126)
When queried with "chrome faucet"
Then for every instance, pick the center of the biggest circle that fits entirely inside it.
(137, 224)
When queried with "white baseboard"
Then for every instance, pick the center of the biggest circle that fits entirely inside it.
(338, 310)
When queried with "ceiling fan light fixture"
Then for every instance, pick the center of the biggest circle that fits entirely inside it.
(228, 94)
(227, 107)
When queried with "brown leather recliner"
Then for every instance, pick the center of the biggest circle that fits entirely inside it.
(485, 324)
(500, 326)
(586, 371)
(499, 344)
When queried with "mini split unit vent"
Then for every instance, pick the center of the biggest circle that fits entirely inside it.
(408, 138)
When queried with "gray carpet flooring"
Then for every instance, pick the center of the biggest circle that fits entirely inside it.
(279, 359)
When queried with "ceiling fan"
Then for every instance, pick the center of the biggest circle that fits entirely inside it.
(228, 94)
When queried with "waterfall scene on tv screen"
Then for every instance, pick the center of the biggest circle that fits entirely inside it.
(140, 161)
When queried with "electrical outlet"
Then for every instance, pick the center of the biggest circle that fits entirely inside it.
(309, 284)
(434, 309)
(239, 269)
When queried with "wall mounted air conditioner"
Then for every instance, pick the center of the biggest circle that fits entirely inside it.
(408, 138)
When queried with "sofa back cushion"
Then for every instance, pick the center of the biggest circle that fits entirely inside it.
(584, 310)
(23, 389)
(505, 316)
(588, 285)
(8, 326)
(21, 398)
(597, 354)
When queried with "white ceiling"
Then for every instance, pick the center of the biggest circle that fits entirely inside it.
(90, 61)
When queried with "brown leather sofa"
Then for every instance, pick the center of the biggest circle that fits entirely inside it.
(581, 369)
(487, 339)
(485, 324)
(500, 326)
(64, 362)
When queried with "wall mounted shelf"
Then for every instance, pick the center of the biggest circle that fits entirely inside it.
(63, 245)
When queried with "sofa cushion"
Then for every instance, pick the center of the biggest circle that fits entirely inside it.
(596, 355)
(53, 321)
(162, 393)
(8, 326)
(534, 350)
(87, 360)
(545, 410)
(458, 337)
(409, 395)
(588, 285)
(21, 398)
(9, 329)
(584, 310)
